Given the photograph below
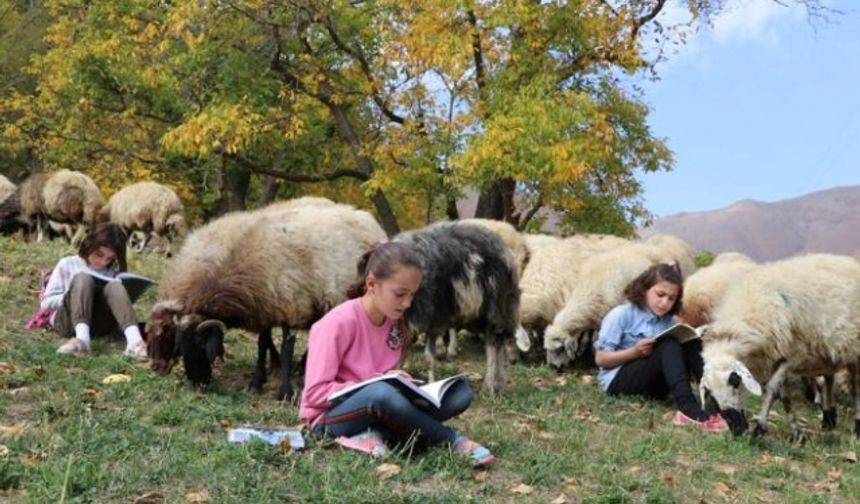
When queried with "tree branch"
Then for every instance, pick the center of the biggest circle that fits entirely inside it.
(298, 177)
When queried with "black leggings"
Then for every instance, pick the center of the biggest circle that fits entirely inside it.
(666, 370)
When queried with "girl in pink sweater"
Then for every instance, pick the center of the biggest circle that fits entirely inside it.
(365, 337)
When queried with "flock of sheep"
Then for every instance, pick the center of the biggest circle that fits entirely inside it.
(285, 265)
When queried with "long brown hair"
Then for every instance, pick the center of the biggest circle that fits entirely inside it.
(110, 236)
(383, 261)
(635, 292)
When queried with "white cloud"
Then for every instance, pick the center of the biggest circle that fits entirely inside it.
(754, 21)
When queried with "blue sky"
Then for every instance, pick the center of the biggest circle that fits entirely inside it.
(761, 106)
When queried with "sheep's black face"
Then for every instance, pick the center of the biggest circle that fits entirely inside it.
(736, 419)
(200, 344)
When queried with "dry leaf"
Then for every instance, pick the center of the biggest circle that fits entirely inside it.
(570, 485)
(201, 496)
(19, 392)
(227, 424)
(39, 371)
(91, 392)
(482, 476)
(561, 381)
(546, 435)
(587, 379)
(669, 480)
(727, 469)
(850, 456)
(722, 489)
(6, 368)
(116, 378)
(835, 473)
(150, 498)
(634, 470)
(286, 445)
(385, 471)
(10, 430)
(4, 451)
(522, 489)
(561, 499)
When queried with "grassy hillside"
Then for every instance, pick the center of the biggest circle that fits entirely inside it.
(65, 435)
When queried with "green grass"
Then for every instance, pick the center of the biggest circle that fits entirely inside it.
(66, 435)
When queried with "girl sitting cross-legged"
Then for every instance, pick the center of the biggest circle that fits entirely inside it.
(362, 338)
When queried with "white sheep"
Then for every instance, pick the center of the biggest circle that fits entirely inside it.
(551, 275)
(600, 287)
(7, 188)
(705, 289)
(285, 265)
(147, 207)
(72, 198)
(796, 316)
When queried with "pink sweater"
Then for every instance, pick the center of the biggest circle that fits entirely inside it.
(345, 348)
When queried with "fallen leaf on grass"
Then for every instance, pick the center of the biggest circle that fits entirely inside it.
(561, 381)
(546, 435)
(39, 371)
(634, 470)
(226, 424)
(91, 392)
(201, 496)
(116, 378)
(19, 392)
(765, 458)
(669, 480)
(522, 489)
(850, 456)
(587, 379)
(727, 469)
(834, 473)
(482, 476)
(570, 485)
(11, 430)
(385, 471)
(722, 489)
(4, 451)
(6, 368)
(561, 499)
(150, 498)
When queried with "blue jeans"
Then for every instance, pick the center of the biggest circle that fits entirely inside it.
(383, 407)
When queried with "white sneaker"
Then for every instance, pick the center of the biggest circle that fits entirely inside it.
(138, 352)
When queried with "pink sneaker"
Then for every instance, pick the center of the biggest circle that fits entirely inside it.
(369, 442)
(713, 424)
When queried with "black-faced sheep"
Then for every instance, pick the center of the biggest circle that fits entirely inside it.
(798, 316)
(149, 208)
(285, 265)
(469, 281)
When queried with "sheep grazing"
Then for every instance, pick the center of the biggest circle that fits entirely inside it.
(550, 276)
(705, 289)
(285, 265)
(798, 316)
(469, 281)
(600, 287)
(27, 205)
(72, 198)
(150, 208)
(10, 206)
(7, 188)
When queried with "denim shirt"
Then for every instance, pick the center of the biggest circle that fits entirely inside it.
(621, 328)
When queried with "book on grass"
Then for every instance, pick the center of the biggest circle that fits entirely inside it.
(430, 393)
(681, 332)
(134, 284)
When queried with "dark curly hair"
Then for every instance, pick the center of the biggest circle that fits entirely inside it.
(110, 236)
(636, 290)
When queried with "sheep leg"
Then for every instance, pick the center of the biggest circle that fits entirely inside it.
(264, 341)
(794, 426)
(773, 387)
(495, 376)
(288, 344)
(453, 349)
(430, 355)
(854, 372)
(828, 405)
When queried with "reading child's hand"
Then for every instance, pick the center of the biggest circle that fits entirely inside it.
(406, 375)
(644, 347)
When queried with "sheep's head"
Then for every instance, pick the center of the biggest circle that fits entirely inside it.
(161, 342)
(200, 342)
(726, 382)
(556, 343)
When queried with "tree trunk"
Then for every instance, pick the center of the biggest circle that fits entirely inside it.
(451, 208)
(270, 190)
(219, 187)
(240, 185)
(497, 201)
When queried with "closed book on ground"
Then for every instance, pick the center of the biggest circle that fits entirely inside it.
(430, 393)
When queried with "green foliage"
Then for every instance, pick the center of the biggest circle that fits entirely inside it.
(704, 258)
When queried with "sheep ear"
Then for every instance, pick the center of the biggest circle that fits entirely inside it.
(746, 378)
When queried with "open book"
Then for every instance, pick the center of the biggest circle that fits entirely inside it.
(430, 393)
(681, 332)
(134, 284)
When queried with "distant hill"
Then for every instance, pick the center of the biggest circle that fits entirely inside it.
(824, 221)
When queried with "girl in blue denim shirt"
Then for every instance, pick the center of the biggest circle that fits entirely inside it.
(630, 360)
